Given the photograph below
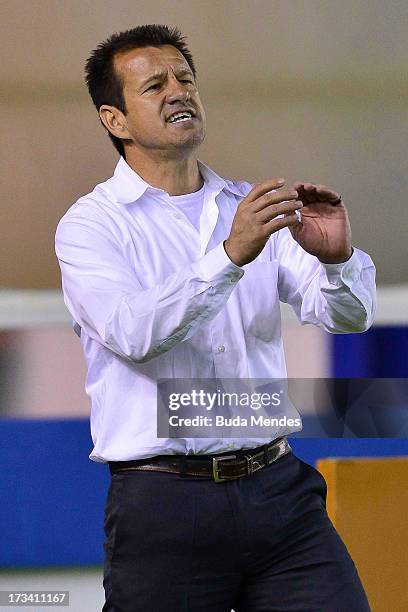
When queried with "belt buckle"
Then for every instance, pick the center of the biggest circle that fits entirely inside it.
(216, 468)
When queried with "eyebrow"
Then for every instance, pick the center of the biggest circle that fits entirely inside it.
(182, 72)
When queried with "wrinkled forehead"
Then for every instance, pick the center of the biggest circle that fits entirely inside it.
(142, 63)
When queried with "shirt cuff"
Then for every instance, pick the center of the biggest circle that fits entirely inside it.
(345, 273)
(216, 265)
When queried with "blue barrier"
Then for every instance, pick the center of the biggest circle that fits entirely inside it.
(381, 352)
(52, 494)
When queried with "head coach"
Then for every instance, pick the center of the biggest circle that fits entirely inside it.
(171, 271)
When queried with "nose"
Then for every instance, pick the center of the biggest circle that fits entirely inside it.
(176, 90)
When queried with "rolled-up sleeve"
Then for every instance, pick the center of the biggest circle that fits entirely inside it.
(107, 300)
(340, 298)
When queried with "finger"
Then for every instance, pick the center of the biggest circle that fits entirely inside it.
(273, 211)
(273, 197)
(300, 188)
(261, 188)
(324, 193)
(306, 191)
(277, 224)
(298, 185)
(310, 192)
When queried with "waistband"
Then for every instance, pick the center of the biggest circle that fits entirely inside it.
(221, 466)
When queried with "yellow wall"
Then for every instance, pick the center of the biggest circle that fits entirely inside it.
(367, 502)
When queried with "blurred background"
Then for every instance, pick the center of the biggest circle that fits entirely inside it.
(309, 90)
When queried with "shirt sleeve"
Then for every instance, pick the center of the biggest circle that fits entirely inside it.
(340, 298)
(109, 302)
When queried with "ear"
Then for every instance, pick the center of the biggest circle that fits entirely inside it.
(114, 121)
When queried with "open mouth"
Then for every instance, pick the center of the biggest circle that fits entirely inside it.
(181, 117)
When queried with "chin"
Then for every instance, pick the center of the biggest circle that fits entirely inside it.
(192, 142)
(198, 138)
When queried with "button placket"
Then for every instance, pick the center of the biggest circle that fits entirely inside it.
(181, 218)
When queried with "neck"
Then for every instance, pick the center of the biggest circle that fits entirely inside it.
(175, 176)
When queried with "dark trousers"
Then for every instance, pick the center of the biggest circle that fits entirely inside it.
(260, 543)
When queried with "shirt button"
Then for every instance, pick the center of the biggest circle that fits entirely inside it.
(221, 349)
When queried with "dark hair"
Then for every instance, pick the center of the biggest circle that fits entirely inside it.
(105, 85)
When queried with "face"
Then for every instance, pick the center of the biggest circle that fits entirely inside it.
(158, 82)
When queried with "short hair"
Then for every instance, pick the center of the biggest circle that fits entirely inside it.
(105, 86)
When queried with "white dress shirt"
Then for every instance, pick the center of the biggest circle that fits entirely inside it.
(154, 298)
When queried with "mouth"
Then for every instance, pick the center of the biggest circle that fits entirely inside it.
(181, 117)
(182, 122)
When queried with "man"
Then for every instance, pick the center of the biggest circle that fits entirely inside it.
(171, 271)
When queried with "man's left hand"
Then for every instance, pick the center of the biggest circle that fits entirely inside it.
(324, 230)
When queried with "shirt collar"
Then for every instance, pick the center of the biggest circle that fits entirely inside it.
(128, 186)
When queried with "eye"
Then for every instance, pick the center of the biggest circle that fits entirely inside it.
(153, 86)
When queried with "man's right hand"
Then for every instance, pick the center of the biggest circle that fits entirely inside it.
(255, 220)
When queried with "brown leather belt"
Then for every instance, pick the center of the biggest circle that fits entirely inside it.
(221, 467)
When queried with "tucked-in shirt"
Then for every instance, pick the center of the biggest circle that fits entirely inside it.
(152, 296)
